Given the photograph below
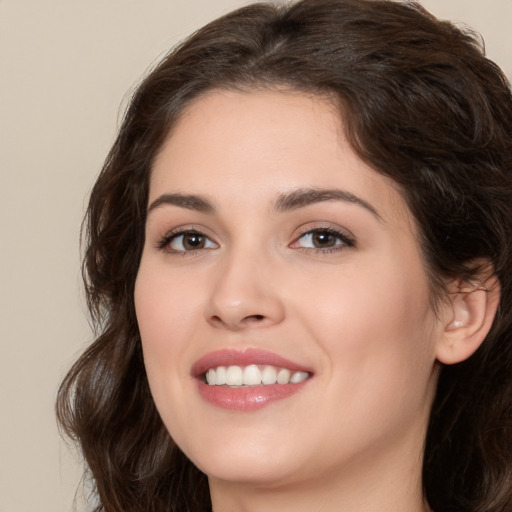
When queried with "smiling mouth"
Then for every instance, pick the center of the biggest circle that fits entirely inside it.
(248, 380)
(253, 375)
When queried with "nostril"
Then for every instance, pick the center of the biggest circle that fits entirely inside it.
(256, 318)
(216, 319)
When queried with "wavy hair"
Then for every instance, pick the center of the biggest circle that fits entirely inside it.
(421, 104)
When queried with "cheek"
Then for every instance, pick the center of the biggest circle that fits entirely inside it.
(376, 324)
(164, 312)
(166, 308)
(378, 337)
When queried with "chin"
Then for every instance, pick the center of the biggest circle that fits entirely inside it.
(247, 460)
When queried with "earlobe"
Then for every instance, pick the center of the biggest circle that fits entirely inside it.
(468, 319)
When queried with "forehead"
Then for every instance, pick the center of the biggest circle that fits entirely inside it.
(258, 145)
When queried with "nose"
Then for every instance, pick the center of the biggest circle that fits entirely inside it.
(244, 295)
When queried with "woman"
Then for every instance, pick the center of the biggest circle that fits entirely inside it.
(298, 261)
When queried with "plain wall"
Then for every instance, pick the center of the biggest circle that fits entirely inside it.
(65, 68)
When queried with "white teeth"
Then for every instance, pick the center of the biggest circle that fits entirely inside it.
(253, 375)
(298, 377)
(283, 376)
(234, 376)
(269, 375)
(210, 377)
(220, 375)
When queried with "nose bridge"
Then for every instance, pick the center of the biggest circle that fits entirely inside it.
(244, 291)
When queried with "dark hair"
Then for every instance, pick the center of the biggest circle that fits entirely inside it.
(419, 103)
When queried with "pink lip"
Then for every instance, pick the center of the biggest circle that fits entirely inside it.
(245, 398)
(248, 398)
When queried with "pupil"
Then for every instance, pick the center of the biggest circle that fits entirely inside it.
(323, 239)
(193, 241)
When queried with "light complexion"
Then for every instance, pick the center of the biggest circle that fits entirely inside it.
(269, 243)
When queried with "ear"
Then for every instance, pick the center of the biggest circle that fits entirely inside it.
(468, 315)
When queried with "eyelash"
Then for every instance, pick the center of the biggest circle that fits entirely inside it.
(343, 241)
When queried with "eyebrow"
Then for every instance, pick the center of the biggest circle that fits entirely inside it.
(289, 201)
(188, 201)
(308, 196)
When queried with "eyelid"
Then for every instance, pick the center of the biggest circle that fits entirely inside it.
(325, 226)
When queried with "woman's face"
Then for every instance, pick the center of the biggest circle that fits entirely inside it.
(271, 246)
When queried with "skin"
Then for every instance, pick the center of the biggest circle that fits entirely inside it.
(357, 314)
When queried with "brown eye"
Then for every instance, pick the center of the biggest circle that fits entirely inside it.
(189, 241)
(323, 239)
(193, 241)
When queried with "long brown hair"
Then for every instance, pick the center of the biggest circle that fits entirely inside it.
(419, 103)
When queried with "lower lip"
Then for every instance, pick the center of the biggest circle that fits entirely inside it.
(249, 398)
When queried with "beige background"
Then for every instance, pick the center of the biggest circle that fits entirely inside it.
(65, 67)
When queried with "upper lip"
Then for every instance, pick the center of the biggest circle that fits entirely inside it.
(245, 357)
